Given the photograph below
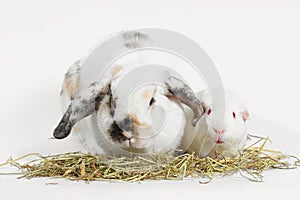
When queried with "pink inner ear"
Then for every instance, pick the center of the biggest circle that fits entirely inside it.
(245, 115)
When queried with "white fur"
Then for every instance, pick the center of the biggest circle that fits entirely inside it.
(165, 114)
(202, 138)
(148, 141)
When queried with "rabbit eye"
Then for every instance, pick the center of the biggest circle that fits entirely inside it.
(152, 101)
(233, 114)
(209, 111)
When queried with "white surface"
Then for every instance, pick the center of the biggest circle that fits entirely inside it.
(254, 44)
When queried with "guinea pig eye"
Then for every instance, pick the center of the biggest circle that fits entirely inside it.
(152, 101)
(233, 114)
(208, 111)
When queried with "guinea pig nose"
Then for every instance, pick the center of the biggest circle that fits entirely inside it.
(219, 131)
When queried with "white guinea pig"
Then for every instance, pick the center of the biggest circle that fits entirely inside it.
(206, 139)
(152, 121)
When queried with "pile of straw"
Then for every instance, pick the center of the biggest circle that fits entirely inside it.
(251, 163)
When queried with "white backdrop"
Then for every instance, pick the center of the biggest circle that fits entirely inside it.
(255, 46)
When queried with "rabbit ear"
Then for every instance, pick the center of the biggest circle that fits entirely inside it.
(184, 94)
(83, 104)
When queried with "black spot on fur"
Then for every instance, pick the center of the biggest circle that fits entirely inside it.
(185, 95)
(133, 39)
(93, 84)
(112, 106)
(127, 124)
(99, 99)
(116, 133)
(111, 102)
(65, 125)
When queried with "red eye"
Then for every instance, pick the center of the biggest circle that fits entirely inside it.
(233, 114)
(209, 111)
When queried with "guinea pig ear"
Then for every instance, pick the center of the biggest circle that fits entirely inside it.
(83, 104)
(245, 115)
(184, 94)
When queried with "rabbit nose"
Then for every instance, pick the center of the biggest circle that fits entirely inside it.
(127, 135)
(219, 131)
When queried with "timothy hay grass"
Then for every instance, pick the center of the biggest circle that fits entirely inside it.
(250, 164)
